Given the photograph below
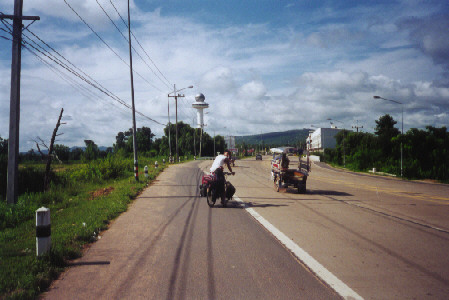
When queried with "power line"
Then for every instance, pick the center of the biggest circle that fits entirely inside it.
(115, 25)
(120, 101)
(51, 57)
(141, 45)
(110, 48)
(117, 98)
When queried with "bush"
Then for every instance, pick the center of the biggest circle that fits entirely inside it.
(111, 167)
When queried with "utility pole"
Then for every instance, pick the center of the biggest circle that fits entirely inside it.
(169, 127)
(176, 105)
(194, 148)
(14, 108)
(357, 126)
(201, 138)
(136, 166)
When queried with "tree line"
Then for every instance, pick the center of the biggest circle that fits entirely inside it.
(147, 145)
(425, 152)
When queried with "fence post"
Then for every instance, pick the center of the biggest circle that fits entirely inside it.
(146, 171)
(43, 231)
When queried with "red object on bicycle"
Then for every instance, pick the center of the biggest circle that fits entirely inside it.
(208, 179)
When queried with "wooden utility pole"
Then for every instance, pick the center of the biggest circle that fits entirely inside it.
(136, 165)
(176, 95)
(14, 109)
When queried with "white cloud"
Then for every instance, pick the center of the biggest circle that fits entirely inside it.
(252, 91)
(256, 77)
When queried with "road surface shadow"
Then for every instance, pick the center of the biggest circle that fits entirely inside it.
(89, 263)
(235, 204)
(262, 198)
(327, 193)
(170, 197)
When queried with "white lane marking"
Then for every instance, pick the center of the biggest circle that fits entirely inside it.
(339, 286)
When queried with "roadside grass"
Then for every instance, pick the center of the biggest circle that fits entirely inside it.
(80, 210)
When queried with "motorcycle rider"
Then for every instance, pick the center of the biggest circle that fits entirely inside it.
(218, 167)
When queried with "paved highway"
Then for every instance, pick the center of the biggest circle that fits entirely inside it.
(351, 235)
(385, 238)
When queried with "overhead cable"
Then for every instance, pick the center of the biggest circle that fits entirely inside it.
(26, 44)
(140, 44)
(126, 39)
(110, 48)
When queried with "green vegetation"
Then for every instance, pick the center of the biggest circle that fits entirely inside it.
(83, 198)
(188, 141)
(425, 152)
(88, 188)
(86, 191)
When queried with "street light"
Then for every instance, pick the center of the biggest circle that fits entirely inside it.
(175, 91)
(402, 120)
(344, 137)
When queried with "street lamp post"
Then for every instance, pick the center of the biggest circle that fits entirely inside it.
(169, 125)
(402, 120)
(194, 147)
(176, 95)
(344, 136)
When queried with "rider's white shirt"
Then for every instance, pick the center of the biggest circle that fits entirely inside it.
(218, 162)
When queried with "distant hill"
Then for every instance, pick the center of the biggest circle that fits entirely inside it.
(289, 137)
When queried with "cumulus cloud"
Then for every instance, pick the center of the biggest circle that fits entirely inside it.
(253, 90)
(219, 79)
(256, 77)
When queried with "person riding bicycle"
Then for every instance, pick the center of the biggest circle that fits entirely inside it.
(218, 168)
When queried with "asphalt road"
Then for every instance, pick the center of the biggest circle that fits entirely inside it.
(381, 238)
(171, 245)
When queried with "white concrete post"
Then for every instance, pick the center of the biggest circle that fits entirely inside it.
(163, 161)
(156, 165)
(43, 231)
(146, 171)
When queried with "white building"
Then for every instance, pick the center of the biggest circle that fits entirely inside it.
(322, 138)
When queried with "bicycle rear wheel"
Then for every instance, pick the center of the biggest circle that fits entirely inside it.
(211, 198)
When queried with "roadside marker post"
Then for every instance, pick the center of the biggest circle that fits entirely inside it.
(43, 231)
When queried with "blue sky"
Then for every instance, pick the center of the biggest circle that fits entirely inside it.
(262, 65)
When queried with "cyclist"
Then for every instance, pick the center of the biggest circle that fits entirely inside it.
(218, 168)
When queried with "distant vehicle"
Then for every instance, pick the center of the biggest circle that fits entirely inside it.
(259, 156)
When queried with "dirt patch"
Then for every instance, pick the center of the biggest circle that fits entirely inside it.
(100, 192)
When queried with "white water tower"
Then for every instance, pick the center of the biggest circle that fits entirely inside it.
(199, 105)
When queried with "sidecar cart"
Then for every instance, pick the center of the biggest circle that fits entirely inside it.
(283, 177)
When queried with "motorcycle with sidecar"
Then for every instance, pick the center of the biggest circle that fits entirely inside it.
(284, 177)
